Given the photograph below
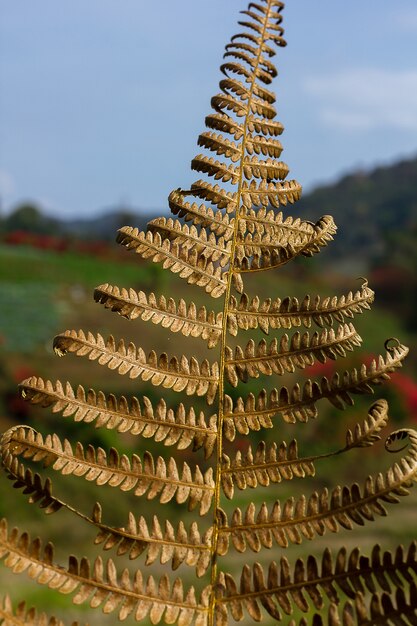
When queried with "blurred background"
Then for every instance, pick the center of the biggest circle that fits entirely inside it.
(101, 104)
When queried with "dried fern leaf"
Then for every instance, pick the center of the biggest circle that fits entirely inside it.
(280, 590)
(217, 249)
(200, 215)
(179, 427)
(252, 167)
(220, 145)
(299, 351)
(324, 230)
(153, 477)
(182, 317)
(289, 312)
(196, 268)
(366, 434)
(256, 412)
(267, 222)
(161, 541)
(226, 124)
(100, 584)
(234, 86)
(299, 403)
(235, 91)
(177, 546)
(261, 68)
(177, 374)
(215, 194)
(382, 610)
(264, 194)
(22, 616)
(306, 517)
(40, 492)
(268, 463)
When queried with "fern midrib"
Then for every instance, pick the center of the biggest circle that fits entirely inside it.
(230, 273)
(298, 351)
(370, 499)
(90, 582)
(362, 572)
(108, 468)
(124, 416)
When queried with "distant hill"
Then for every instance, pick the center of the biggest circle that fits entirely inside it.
(370, 210)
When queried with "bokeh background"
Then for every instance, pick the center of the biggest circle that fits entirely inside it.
(100, 107)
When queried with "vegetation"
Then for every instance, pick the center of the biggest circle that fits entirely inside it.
(224, 432)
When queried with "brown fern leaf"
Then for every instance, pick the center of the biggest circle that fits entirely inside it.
(299, 351)
(289, 312)
(200, 215)
(256, 412)
(217, 249)
(183, 318)
(23, 478)
(264, 194)
(382, 610)
(22, 616)
(299, 403)
(150, 476)
(177, 374)
(178, 546)
(180, 427)
(307, 517)
(100, 584)
(196, 268)
(366, 434)
(215, 194)
(220, 145)
(276, 257)
(269, 463)
(267, 222)
(252, 168)
(281, 590)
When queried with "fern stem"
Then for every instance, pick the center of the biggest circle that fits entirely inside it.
(219, 447)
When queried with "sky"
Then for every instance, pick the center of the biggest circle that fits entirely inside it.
(102, 101)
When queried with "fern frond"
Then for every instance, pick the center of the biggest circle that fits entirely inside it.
(177, 374)
(196, 268)
(220, 145)
(269, 463)
(151, 477)
(100, 583)
(40, 493)
(289, 312)
(217, 249)
(281, 590)
(183, 318)
(252, 168)
(324, 230)
(178, 546)
(264, 193)
(180, 427)
(200, 215)
(381, 611)
(215, 194)
(299, 351)
(307, 517)
(365, 435)
(267, 222)
(299, 403)
(22, 616)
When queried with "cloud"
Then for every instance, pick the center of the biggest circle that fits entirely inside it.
(366, 99)
(7, 184)
(406, 19)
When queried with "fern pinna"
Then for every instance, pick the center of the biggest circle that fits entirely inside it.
(223, 232)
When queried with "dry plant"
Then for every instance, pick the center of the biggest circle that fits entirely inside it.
(237, 230)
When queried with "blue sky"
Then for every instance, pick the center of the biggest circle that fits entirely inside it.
(101, 101)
